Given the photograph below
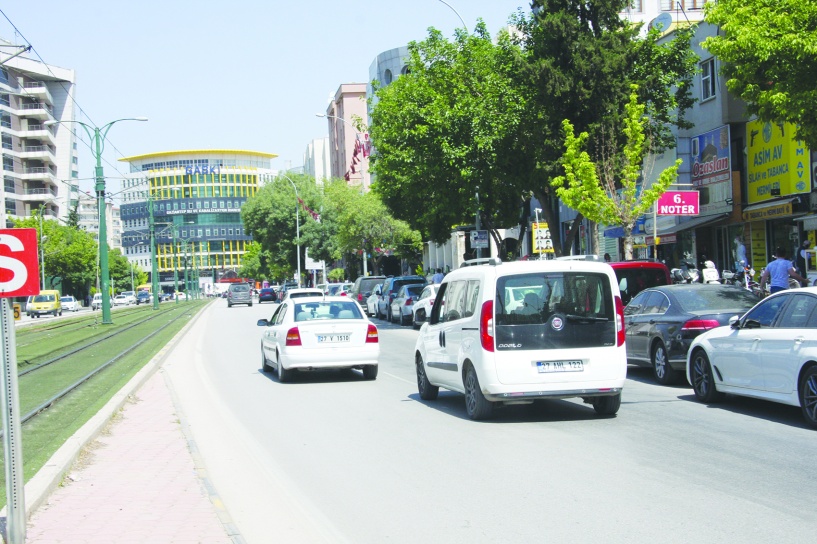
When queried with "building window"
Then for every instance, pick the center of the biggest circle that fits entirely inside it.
(230, 232)
(708, 79)
(199, 231)
(207, 232)
(387, 77)
(224, 232)
(207, 204)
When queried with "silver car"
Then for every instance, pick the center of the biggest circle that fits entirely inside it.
(239, 293)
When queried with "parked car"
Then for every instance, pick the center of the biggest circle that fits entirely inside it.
(96, 302)
(130, 295)
(565, 340)
(371, 302)
(69, 303)
(662, 322)
(266, 294)
(164, 297)
(422, 308)
(282, 292)
(769, 353)
(389, 290)
(44, 303)
(239, 293)
(339, 289)
(306, 333)
(402, 307)
(143, 297)
(635, 276)
(362, 289)
(120, 300)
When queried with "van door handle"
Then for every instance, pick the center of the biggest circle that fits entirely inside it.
(442, 338)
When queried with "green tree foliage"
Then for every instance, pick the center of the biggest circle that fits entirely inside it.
(769, 53)
(70, 255)
(119, 270)
(441, 132)
(251, 262)
(360, 221)
(270, 217)
(609, 193)
(577, 62)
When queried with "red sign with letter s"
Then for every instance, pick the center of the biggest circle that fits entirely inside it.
(19, 266)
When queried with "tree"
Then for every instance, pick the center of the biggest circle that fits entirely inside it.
(251, 262)
(577, 62)
(441, 132)
(769, 54)
(270, 217)
(597, 191)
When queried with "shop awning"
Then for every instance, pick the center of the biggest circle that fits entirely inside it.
(692, 224)
(769, 210)
(809, 221)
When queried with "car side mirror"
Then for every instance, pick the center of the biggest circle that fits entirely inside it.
(263, 323)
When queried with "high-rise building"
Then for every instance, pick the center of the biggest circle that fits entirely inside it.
(316, 160)
(197, 198)
(348, 146)
(39, 161)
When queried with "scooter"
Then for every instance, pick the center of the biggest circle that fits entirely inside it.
(686, 274)
(710, 273)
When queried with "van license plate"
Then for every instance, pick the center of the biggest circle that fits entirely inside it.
(559, 366)
(332, 338)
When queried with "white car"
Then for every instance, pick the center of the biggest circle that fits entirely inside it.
(131, 296)
(69, 303)
(371, 302)
(306, 333)
(303, 292)
(565, 340)
(96, 302)
(422, 308)
(120, 300)
(769, 353)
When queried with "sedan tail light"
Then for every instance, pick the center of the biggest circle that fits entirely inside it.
(293, 337)
(700, 325)
(409, 301)
(486, 325)
(371, 335)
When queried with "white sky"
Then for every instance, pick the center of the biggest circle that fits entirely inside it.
(228, 75)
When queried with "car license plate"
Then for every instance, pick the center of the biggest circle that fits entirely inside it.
(333, 338)
(559, 366)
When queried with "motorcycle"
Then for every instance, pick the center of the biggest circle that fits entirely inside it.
(687, 273)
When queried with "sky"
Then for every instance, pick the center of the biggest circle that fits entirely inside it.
(221, 75)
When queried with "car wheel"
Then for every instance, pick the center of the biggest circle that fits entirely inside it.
(264, 364)
(250, 304)
(808, 396)
(703, 381)
(404, 321)
(476, 405)
(284, 375)
(370, 372)
(664, 374)
(424, 387)
(229, 305)
(607, 406)
(389, 315)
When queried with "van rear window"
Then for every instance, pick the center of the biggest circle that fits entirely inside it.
(554, 311)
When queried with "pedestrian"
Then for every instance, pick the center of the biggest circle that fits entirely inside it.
(607, 257)
(802, 258)
(438, 277)
(740, 254)
(779, 271)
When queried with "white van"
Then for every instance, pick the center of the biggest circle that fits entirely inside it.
(518, 332)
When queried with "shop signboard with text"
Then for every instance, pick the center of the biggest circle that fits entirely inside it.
(678, 203)
(778, 165)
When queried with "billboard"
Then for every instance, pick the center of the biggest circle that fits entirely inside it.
(711, 157)
(778, 165)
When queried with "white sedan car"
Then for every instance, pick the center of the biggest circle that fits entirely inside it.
(769, 353)
(120, 300)
(422, 308)
(69, 303)
(310, 333)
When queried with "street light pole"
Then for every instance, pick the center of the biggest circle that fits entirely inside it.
(154, 280)
(297, 226)
(97, 137)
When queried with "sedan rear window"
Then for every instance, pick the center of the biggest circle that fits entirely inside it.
(719, 298)
(309, 311)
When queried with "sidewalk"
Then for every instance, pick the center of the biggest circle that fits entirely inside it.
(138, 478)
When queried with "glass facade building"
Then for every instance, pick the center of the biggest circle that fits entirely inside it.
(196, 199)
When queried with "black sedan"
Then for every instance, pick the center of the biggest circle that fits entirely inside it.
(267, 294)
(661, 323)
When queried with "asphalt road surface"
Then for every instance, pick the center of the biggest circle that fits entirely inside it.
(333, 458)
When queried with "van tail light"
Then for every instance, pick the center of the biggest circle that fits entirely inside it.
(620, 333)
(371, 335)
(431, 303)
(700, 325)
(486, 325)
(293, 337)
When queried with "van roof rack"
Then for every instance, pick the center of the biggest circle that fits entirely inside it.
(579, 258)
(493, 261)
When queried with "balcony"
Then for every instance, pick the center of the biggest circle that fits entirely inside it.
(38, 89)
(39, 173)
(38, 152)
(37, 131)
(42, 195)
(37, 110)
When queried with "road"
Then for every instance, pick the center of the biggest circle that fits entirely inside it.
(334, 458)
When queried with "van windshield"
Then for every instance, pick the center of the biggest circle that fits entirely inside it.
(555, 310)
(45, 298)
